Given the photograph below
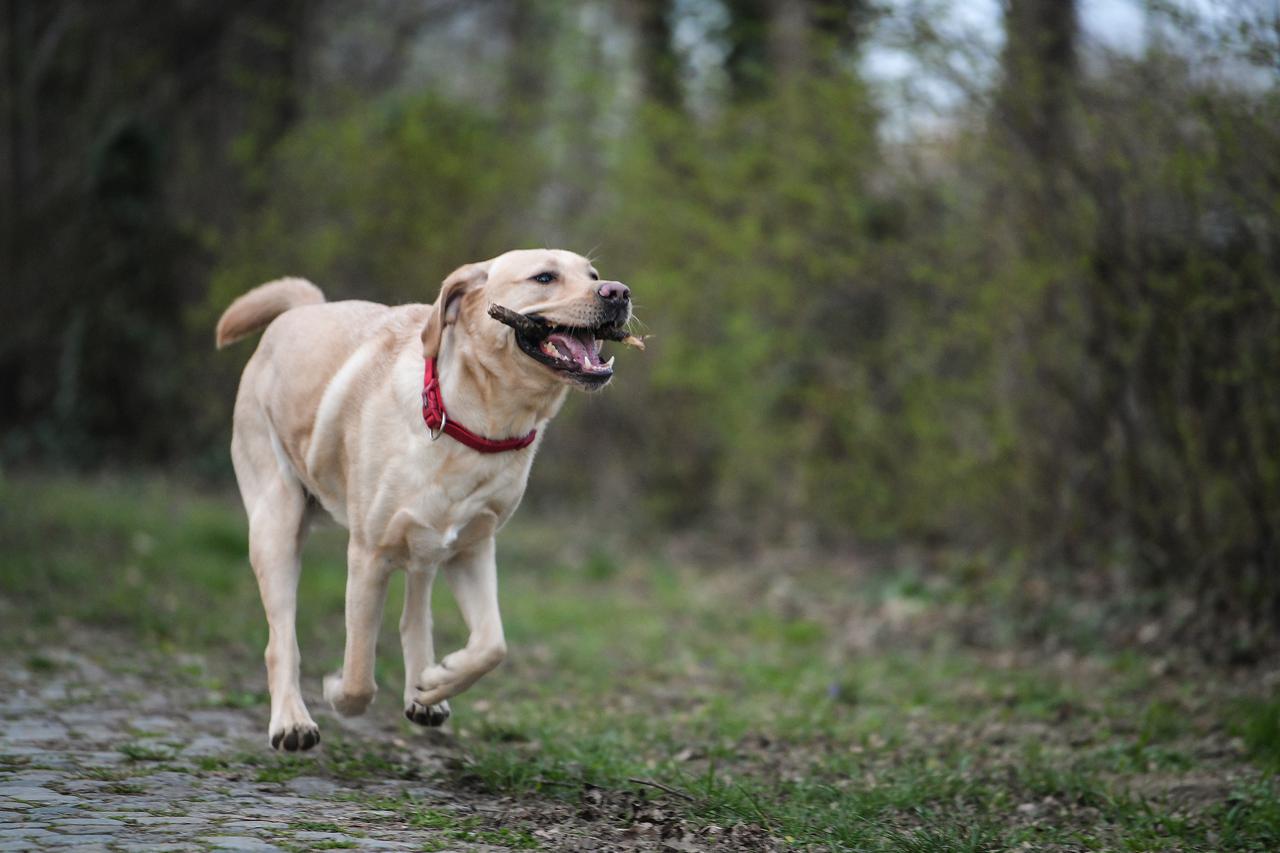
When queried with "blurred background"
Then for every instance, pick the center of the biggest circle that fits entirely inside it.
(994, 282)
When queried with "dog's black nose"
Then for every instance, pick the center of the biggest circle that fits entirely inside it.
(614, 291)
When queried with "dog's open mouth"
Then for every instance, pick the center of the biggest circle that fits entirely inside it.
(573, 352)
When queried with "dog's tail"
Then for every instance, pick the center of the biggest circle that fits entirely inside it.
(257, 308)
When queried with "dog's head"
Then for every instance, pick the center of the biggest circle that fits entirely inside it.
(559, 313)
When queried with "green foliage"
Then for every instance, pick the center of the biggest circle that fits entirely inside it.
(157, 560)
(1258, 722)
(1048, 327)
(744, 237)
(384, 199)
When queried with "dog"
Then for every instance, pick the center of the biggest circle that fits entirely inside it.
(414, 427)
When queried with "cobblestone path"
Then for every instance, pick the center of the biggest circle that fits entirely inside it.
(101, 759)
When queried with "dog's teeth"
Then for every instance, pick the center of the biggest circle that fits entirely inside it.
(608, 365)
(549, 349)
(586, 362)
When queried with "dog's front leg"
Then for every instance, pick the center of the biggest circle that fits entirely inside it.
(415, 640)
(351, 689)
(473, 575)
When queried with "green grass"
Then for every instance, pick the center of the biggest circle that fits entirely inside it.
(145, 556)
(819, 707)
(1257, 720)
(146, 752)
(455, 827)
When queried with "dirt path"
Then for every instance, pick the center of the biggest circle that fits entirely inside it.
(102, 759)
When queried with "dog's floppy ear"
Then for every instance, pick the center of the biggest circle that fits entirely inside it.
(461, 280)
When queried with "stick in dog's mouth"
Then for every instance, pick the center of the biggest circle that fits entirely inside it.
(536, 329)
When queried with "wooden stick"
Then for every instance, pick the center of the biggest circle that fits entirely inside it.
(520, 322)
(570, 784)
(616, 333)
(661, 787)
(537, 329)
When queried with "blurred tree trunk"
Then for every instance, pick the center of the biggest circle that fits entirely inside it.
(747, 59)
(815, 35)
(659, 67)
(531, 35)
(272, 49)
(1039, 73)
(1030, 133)
(838, 22)
(788, 39)
(251, 82)
(12, 190)
(120, 121)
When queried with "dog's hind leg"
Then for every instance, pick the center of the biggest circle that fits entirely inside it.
(276, 529)
(277, 507)
(415, 640)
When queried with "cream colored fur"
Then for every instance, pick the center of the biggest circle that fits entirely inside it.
(260, 306)
(329, 413)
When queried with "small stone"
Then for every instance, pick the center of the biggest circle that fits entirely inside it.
(311, 786)
(86, 824)
(159, 847)
(65, 810)
(241, 825)
(23, 832)
(34, 730)
(34, 794)
(237, 842)
(37, 778)
(20, 751)
(77, 840)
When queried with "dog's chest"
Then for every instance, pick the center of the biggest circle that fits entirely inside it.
(449, 517)
(430, 544)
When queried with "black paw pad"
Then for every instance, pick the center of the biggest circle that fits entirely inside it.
(295, 739)
(432, 715)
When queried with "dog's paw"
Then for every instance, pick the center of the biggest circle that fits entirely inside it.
(427, 715)
(348, 703)
(295, 738)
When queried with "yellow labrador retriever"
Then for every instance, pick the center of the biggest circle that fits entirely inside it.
(415, 427)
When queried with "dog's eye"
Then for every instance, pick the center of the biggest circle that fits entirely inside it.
(544, 277)
(595, 276)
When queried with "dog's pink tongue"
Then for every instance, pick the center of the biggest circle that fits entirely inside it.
(571, 347)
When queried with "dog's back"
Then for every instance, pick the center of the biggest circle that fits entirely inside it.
(311, 348)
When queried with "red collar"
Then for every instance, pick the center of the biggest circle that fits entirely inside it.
(438, 420)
